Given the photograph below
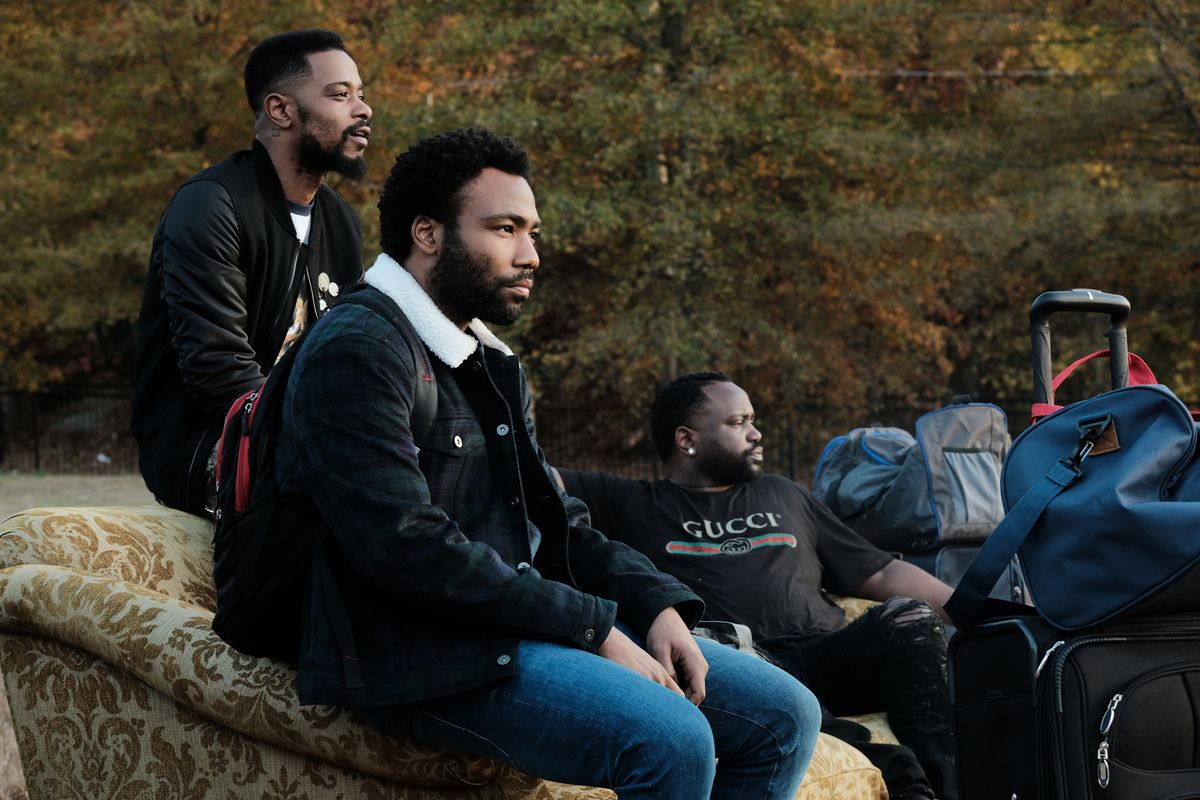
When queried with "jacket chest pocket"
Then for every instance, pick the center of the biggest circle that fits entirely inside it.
(454, 461)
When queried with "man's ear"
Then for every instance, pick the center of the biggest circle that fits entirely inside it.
(685, 439)
(278, 110)
(427, 235)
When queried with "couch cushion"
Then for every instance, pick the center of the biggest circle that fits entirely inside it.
(837, 772)
(840, 771)
(150, 546)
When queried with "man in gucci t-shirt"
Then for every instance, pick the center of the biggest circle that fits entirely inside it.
(762, 551)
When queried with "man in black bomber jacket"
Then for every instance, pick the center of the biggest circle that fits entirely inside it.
(247, 254)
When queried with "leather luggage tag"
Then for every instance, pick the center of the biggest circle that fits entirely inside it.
(1108, 442)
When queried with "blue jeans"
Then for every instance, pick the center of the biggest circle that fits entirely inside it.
(574, 717)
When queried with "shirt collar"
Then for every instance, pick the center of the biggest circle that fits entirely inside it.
(443, 338)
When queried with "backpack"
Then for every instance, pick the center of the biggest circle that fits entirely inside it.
(909, 493)
(873, 479)
(262, 544)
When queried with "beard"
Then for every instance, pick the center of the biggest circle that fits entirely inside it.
(724, 468)
(316, 159)
(463, 287)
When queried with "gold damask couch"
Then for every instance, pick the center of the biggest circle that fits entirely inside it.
(119, 688)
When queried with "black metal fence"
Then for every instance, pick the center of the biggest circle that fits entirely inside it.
(85, 430)
(793, 438)
(67, 429)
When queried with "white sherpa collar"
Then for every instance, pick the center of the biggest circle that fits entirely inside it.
(442, 336)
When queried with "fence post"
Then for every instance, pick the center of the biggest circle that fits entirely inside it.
(37, 439)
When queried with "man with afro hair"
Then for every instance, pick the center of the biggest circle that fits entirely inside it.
(486, 614)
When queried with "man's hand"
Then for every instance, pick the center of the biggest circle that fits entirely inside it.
(621, 649)
(672, 645)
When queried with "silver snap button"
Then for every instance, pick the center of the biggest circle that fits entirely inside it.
(589, 635)
(514, 501)
(502, 430)
(502, 660)
(524, 565)
(458, 441)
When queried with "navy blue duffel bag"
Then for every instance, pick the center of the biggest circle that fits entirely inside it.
(1103, 511)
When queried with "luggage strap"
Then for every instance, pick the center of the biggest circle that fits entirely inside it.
(969, 599)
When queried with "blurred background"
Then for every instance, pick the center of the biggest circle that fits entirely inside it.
(848, 205)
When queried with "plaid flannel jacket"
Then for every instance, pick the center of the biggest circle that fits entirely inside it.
(431, 547)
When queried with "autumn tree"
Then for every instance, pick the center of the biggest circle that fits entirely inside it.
(118, 103)
(848, 204)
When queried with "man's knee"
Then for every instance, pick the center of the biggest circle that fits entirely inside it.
(801, 712)
(913, 620)
(679, 740)
(775, 713)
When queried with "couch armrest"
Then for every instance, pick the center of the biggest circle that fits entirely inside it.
(151, 546)
(169, 645)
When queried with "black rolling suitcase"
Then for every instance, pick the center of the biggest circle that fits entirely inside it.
(1110, 710)
(1108, 714)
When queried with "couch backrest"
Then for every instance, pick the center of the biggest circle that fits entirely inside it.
(151, 546)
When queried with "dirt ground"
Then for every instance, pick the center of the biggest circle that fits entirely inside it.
(19, 491)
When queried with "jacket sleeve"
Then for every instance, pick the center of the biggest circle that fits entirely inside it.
(204, 290)
(347, 410)
(614, 569)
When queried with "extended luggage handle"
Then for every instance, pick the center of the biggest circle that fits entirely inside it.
(1047, 303)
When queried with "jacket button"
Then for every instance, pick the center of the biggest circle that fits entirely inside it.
(589, 635)
(503, 660)
(523, 566)
(458, 441)
(514, 501)
(502, 430)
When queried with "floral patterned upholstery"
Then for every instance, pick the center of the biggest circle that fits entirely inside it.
(119, 688)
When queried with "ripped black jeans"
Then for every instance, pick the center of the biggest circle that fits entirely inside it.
(892, 658)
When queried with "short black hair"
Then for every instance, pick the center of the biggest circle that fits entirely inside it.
(428, 178)
(282, 57)
(675, 404)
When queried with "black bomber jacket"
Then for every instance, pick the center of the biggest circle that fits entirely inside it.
(225, 272)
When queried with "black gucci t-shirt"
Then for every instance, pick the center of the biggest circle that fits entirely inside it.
(759, 554)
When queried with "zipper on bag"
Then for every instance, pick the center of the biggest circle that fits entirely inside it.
(1056, 774)
(1108, 720)
(1103, 772)
(1053, 776)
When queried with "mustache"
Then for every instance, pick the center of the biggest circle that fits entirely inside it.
(346, 134)
(523, 277)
